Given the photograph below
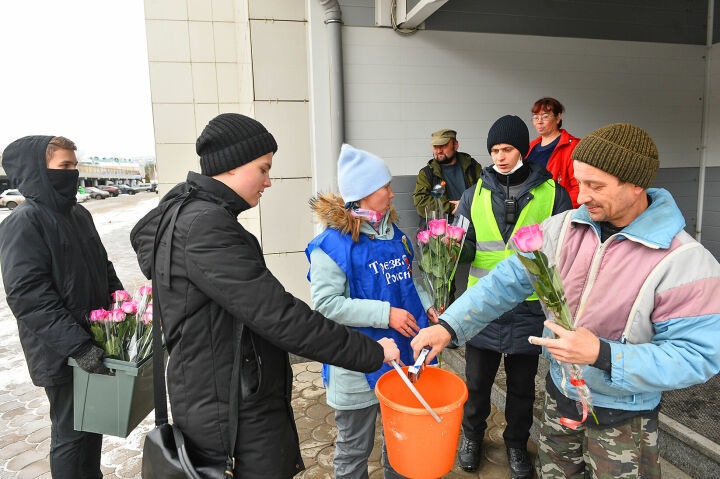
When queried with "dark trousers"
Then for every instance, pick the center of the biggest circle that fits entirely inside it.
(481, 366)
(73, 454)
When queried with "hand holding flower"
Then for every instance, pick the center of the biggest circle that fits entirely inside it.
(580, 346)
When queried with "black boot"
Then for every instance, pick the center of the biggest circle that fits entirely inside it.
(469, 454)
(519, 461)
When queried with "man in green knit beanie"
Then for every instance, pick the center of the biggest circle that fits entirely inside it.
(643, 298)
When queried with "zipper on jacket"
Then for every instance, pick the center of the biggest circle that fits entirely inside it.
(594, 268)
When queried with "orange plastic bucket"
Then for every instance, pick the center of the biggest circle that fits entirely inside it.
(418, 446)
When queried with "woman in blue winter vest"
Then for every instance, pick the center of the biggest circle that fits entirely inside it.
(361, 276)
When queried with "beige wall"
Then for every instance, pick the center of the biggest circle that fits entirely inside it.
(243, 56)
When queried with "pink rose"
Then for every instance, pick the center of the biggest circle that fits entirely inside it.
(437, 227)
(528, 238)
(120, 295)
(148, 316)
(455, 232)
(129, 307)
(98, 315)
(116, 315)
(145, 290)
(423, 236)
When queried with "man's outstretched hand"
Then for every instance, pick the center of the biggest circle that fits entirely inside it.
(435, 337)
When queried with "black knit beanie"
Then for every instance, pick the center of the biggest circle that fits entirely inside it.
(512, 130)
(231, 140)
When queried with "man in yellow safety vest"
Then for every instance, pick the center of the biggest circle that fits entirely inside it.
(509, 194)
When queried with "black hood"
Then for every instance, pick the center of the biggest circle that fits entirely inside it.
(24, 162)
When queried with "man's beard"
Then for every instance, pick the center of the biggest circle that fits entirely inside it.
(448, 159)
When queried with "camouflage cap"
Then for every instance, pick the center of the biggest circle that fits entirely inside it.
(441, 137)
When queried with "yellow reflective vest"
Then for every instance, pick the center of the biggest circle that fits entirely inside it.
(490, 248)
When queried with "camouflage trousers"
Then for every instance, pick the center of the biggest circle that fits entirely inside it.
(627, 451)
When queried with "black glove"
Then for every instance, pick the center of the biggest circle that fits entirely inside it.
(91, 360)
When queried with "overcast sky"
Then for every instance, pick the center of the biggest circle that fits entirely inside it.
(76, 68)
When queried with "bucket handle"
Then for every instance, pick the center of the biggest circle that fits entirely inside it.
(415, 391)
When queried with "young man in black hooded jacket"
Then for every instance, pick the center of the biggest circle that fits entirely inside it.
(211, 278)
(55, 271)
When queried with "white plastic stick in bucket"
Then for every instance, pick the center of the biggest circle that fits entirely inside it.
(415, 391)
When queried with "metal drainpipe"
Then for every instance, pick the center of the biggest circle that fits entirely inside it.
(333, 20)
(705, 124)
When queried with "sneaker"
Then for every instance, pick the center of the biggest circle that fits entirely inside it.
(519, 462)
(469, 455)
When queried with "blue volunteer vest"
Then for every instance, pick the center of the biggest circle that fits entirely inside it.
(380, 270)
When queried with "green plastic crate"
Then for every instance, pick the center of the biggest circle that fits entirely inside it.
(116, 404)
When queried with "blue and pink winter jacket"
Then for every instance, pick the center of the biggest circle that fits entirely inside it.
(651, 291)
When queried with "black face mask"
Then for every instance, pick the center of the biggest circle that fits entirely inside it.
(64, 181)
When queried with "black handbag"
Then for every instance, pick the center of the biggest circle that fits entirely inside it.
(165, 454)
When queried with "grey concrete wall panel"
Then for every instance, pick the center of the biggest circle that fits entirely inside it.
(358, 13)
(682, 183)
(711, 213)
(665, 21)
(403, 187)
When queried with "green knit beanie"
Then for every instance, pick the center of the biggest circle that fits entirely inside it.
(623, 150)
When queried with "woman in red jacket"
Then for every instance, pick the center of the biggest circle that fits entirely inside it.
(553, 147)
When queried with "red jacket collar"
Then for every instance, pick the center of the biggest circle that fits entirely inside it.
(565, 139)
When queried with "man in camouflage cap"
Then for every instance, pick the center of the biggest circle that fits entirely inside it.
(643, 296)
(458, 170)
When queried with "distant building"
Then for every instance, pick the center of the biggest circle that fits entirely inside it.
(99, 171)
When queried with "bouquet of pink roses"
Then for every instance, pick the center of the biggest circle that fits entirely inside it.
(125, 330)
(439, 248)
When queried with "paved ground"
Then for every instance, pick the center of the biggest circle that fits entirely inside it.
(24, 417)
(317, 431)
(25, 423)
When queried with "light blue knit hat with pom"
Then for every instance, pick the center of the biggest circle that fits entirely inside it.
(360, 173)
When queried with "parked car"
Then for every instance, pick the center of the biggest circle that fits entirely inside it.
(11, 198)
(82, 197)
(143, 187)
(110, 189)
(96, 193)
(126, 190)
